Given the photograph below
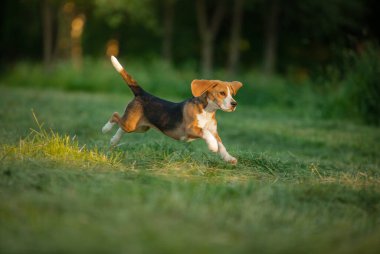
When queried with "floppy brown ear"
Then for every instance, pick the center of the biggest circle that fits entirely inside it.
(235, 86)
(200, 86)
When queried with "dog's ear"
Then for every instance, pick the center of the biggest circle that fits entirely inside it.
(200, 86)
(235, 86)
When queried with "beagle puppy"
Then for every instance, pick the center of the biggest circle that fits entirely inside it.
(188, 120)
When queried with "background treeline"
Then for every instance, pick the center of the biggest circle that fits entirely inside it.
(323, 54)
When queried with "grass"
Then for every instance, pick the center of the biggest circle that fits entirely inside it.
(302, 185)
(48, 145)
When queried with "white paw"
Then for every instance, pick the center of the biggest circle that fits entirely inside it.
(114, 141)
(107, 127)
(117, 137)
(230, 159)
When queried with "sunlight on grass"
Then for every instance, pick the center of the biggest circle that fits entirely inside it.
(48, 145)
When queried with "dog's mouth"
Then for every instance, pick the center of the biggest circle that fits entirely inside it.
(231, 109)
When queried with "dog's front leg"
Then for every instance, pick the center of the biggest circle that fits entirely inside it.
(211, 141)
(225, 155)
(223, 152)
(204, 134)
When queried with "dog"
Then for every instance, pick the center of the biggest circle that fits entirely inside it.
(191, 119)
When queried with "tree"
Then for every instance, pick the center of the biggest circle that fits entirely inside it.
(65, 15)
(168, 22)
(47, 27)
(48, 14)
(234, 49)
(115, 11)
(208, 31)
(271, 34)
(118, 12)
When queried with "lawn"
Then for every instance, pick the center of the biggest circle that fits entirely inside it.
(302, 184)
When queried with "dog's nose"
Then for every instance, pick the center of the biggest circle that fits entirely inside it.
(233, 103)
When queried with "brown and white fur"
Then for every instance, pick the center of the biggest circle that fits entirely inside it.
(188, 120)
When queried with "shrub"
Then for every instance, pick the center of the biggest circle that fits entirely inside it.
(155, 76)
(356, 91)
(363, 85)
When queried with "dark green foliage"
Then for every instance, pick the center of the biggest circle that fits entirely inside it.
(357, 92)
(99, 76)
(363, 84)
(305, 38)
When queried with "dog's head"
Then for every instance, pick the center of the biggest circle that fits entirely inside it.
(218, 93)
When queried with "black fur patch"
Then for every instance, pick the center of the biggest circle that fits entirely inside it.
(165, 115)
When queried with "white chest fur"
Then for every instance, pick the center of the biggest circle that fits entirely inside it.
(206, 121)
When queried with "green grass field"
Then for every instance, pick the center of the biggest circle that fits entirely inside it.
(302, 184)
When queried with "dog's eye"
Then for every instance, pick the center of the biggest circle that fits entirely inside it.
(223, 93)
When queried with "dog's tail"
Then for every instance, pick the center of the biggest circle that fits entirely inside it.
(136, 89)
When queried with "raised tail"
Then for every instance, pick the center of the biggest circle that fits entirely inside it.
(136, 89)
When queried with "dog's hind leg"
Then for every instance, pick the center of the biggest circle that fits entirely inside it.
(131, 121)
(127, 127)
(115, 119)
(109, 125)
(117, 137)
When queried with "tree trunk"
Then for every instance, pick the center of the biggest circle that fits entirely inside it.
(207, 55)
(271, 33)
(47, 25)
(168, 30)
(208, 33)
(77, 26)
(64, 19)
(234, 53)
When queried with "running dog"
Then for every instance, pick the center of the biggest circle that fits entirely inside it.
(188, 120)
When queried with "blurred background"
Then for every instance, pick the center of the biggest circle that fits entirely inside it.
(314, 58)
